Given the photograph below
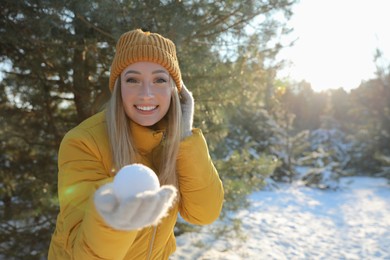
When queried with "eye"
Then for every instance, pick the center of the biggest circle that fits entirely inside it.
(132, 80)
(161, 80)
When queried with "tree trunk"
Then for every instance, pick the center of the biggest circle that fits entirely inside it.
(81, 88)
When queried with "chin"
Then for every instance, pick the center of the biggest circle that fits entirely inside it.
(145, 123)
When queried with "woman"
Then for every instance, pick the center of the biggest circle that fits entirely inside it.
(148, 120)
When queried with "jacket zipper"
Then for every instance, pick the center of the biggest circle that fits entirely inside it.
(152, 243)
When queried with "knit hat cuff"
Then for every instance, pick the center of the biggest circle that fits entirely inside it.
(136, 46)
(145, 53)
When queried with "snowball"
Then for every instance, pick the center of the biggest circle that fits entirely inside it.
(133, 179)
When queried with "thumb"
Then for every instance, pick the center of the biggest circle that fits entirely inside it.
(185, 93)
(105, 199)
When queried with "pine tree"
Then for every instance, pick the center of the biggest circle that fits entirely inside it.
(56, 57)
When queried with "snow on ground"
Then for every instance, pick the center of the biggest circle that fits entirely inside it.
(295, 222)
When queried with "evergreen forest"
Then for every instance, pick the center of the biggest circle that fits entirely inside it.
(55, 59)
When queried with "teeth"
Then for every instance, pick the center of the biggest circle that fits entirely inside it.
(146, 108)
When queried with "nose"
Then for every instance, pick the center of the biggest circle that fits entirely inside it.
(146, 90)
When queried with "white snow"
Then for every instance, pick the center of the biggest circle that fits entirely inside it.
(133, 179)
(295, 222)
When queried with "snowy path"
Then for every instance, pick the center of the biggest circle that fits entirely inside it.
(303, 223)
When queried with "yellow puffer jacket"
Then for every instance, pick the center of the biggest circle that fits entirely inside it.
(85, 164)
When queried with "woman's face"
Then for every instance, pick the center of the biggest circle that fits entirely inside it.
(146, 92)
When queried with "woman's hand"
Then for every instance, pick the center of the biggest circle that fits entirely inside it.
(136, 212)
(187, 110)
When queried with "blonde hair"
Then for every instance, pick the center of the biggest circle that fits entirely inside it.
(123, 149)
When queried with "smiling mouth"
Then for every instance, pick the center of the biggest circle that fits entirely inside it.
(146, 108)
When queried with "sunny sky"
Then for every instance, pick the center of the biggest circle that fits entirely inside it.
(336, 41)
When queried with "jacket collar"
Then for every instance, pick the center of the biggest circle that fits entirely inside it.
(146, 138)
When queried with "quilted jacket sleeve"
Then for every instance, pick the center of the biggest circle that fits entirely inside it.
(81, 172)
(201, 189)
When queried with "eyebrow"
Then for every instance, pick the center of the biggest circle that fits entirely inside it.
(132, 71)
(159, 71)
(137, 72)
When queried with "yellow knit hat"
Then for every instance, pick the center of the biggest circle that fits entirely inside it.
(136, 45)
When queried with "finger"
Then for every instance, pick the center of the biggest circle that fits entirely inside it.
(185, 93)
(168, 193)
(130, 207)
(154, 205)
(144, 214)
(105, 199)
(156, 212)
(126, 216)
(164, 201)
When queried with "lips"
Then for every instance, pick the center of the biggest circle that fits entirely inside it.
(146, 108)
